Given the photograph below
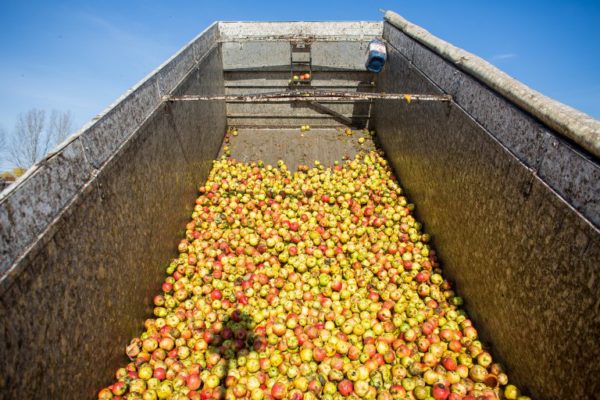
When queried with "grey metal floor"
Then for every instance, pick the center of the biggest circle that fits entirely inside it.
(295, 147)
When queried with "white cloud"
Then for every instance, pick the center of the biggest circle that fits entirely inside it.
(504, 56)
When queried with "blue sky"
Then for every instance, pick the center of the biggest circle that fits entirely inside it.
(81, 55)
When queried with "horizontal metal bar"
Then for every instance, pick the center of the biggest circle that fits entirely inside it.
(287, 38)
(313, 126)
(324, 100)
(278, 69)
(316, 116)
(311, 96)
(314, 85)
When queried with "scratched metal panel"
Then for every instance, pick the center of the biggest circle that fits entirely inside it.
(333, 30)
(281, 78)
(104, 262)
(275, 55)
(283, 122)
(272, 56)
(237, 90)
(296, 114)
(340, 55)
(28, 207)
(102, 139)
(95, 241)
(294, 109)
(525, 136)
(484, 176)
(514, 248)
(578, 181)
(295, 147)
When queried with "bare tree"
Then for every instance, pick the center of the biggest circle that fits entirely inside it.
(60, 126)
(32, 138)
(29, 142)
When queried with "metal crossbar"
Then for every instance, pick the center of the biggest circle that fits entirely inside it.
(311, 96)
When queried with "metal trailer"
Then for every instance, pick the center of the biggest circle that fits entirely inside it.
(506, 180)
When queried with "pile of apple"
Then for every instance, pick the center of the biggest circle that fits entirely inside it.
(302, 77)
(311, 284)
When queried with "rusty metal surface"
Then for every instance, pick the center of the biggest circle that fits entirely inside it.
(511, 207)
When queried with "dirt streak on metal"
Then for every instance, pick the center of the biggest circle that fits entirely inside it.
(296, 147)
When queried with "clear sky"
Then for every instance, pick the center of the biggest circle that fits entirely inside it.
(81, 55)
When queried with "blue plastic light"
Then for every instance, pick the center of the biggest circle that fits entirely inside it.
(376, 56)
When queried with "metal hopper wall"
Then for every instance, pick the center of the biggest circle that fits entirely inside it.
(513, 207)
(86, 234)
(513, 204)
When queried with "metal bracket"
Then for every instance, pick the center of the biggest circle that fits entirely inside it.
(324, 109)
(300, 62)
